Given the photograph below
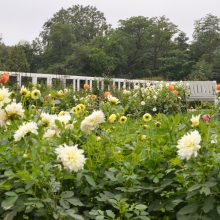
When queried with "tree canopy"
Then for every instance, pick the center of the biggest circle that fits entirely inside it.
(79, 41)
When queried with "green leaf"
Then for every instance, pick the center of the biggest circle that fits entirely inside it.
(58, 124)
(71, 213)
(208, 204)
(188, 209)
(90, 180)
(64, 204)
(9, 173)
(75, 201)
(5, 185)
(205, 190)
(9, 202)
(194, 187)
(67, 194)
(218, 209)
(140, 207)
(100, 217)
(110, 214)
(143, 218)
(110, 175)
(11, 193)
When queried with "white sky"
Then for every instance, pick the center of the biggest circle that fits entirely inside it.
(23, 19)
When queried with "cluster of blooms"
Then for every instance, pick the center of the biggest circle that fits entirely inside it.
(113, 117)
(92, 121)
(62, 93)
(159, 97)
(9, 109)
(79, 109)
(71, 157)
(49, 121)
(34, 94)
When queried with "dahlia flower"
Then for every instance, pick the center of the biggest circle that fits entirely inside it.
(71, 157)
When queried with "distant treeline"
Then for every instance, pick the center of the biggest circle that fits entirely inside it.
(79, 41)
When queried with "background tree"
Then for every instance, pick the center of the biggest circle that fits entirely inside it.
(177, 64)
(205, 47)
(201, 71)
(206, 38)
(4, 53)
(68, 30)
(17, 60)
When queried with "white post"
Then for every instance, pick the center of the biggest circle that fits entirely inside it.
(74, 85)
(90, 84)
(49, 81)
(119, 85)
(34, 79)
(102, 84)
(64, 82)
(19, 80)
(124, 85)
(113, 84)
(78, 84)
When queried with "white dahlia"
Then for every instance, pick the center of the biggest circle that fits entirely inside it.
(71, 157)
(188, 145)
(64, 118)
(92, 121)
(14, 109)
(4, 96)
(25, 128)
(97, 117)
(50, 133)
(87, 126)
(48, 120)
(3, 117)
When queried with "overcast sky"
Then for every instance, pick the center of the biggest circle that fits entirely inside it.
(23, 19)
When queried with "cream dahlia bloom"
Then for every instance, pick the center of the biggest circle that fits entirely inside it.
(64, 118)
(113, 99)
(50, 133)
(71, 157)
(25, 128)
(195, 120)
(4, 96)
(188, 145)
(97, 117)
(87, 126)
(3, 117)
(48, 120)
(14, 109)
(92, 121)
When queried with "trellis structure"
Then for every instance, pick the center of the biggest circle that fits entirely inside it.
(198, 90)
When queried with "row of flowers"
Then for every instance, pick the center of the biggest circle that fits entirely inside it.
(10, 110)
(88, 156)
